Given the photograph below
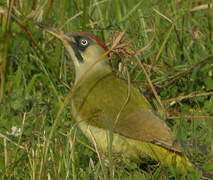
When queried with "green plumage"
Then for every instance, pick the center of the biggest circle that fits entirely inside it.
(105, 102)
(103, 99)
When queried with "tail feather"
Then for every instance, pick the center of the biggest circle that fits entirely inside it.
(165, 156)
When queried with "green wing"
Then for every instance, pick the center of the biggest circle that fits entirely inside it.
(108, 102)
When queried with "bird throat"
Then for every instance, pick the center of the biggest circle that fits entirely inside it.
(86, 71)
(93, 73)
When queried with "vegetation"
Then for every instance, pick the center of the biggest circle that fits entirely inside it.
(167, 49)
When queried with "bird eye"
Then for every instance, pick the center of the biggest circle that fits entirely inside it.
(84, 42)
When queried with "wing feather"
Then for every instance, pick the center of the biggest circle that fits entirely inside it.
(144, 125)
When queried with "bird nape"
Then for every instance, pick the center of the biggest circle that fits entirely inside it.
(111, 112)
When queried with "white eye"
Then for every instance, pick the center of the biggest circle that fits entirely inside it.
(84, 42)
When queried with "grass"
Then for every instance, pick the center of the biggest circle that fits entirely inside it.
(38, 136)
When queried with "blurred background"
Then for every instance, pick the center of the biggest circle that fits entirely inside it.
(173, 40)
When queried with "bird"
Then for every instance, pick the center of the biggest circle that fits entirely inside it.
(108, 110)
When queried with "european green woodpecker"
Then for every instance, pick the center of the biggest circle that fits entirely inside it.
(103, 104)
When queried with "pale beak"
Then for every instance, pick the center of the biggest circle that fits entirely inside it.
(67, 40)
(55, 32)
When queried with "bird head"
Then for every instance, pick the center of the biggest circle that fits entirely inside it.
(87, 51)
